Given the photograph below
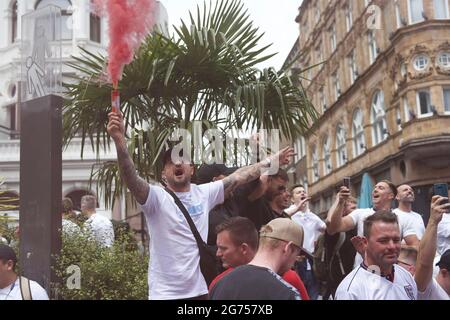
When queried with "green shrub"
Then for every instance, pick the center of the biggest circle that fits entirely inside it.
(119, 272)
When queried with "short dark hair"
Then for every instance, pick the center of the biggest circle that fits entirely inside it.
(241, 229)
(391, 186)
(297, 186)
(7, 254)
(382, 215)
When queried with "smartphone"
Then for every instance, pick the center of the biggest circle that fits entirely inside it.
(441, 189)
(346, 182)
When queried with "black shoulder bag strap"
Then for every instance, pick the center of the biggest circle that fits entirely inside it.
(208, 260)
(186, 214)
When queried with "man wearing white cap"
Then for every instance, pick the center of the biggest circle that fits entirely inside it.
(280, 243)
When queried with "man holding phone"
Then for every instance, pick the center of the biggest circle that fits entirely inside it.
(439, 287)
(406, 197)
(443, 232)
(313, 227)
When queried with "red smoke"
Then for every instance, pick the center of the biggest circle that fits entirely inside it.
(129, 23)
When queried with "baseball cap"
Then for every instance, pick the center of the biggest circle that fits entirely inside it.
(444, 262)
(7, 253)
(283, 229)
(207, 172)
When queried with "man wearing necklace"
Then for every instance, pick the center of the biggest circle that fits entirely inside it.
(379, 277)
(10, 282)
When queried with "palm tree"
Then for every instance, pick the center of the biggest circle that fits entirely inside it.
(206, 74)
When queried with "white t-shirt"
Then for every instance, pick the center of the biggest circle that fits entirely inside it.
(443, 234)
(433, 292)
(358, 216)
(361, 284)
(69, 227)
(312, 228)
(101, 228)
(174, 269)
(12, 292)
(412, 218)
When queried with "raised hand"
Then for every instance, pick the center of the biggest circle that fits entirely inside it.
(116, 126)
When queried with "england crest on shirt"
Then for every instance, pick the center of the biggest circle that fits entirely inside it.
(410, 292)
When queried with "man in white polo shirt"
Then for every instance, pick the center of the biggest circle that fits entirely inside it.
(405, 197)
(174, 268)
(313, 227)
(439, 287)
(382, 197)
(379, 277)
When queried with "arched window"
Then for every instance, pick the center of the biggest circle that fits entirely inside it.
(378, 118)
(14, 22)
(359, 141)
(341, 154)
(326, 155)
(95, 27)
(315, 163)
(66, 15)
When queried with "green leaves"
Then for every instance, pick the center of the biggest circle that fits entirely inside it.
(207, 74)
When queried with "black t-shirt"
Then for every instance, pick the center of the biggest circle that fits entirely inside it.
(250, 282)
(347, 253)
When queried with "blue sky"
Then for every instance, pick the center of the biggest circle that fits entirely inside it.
(275, 18)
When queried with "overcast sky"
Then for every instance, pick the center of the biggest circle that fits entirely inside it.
(275, 18)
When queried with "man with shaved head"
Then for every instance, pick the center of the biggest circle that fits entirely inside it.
(405, 197)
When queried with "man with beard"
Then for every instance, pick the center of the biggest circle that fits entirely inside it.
(382, 197)
(174, 268)
(405, 198)
(379, 277)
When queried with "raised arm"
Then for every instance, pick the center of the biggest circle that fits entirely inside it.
(335, 222)
(252, 172)
(428, 244)
(139, 187)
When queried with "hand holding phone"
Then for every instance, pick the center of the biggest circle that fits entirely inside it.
(441, 189)
(346, 182)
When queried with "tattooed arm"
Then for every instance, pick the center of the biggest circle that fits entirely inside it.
(138, 186)
(252, 172)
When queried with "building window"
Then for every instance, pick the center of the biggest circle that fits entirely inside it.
(373, 50)
(322, 98)
(95, 27)
(406, 110)
(315, 164)
(349, 16)
(352, 67)
(336, 85)
(403, 70)
(378, 118)
(398, 114)
(341, 154)
(332, 32)
(424, 102)
(326, 155)
(14, 21)
(447, 100)
(420, 62)
(415, 8)
(300, 149)
(359, 141)
(66, 15)
(316, 13)
(441, 9)
(319, 55)
(397, 14)
(444, 60)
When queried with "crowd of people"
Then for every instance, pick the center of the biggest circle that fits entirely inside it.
(270, 245)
